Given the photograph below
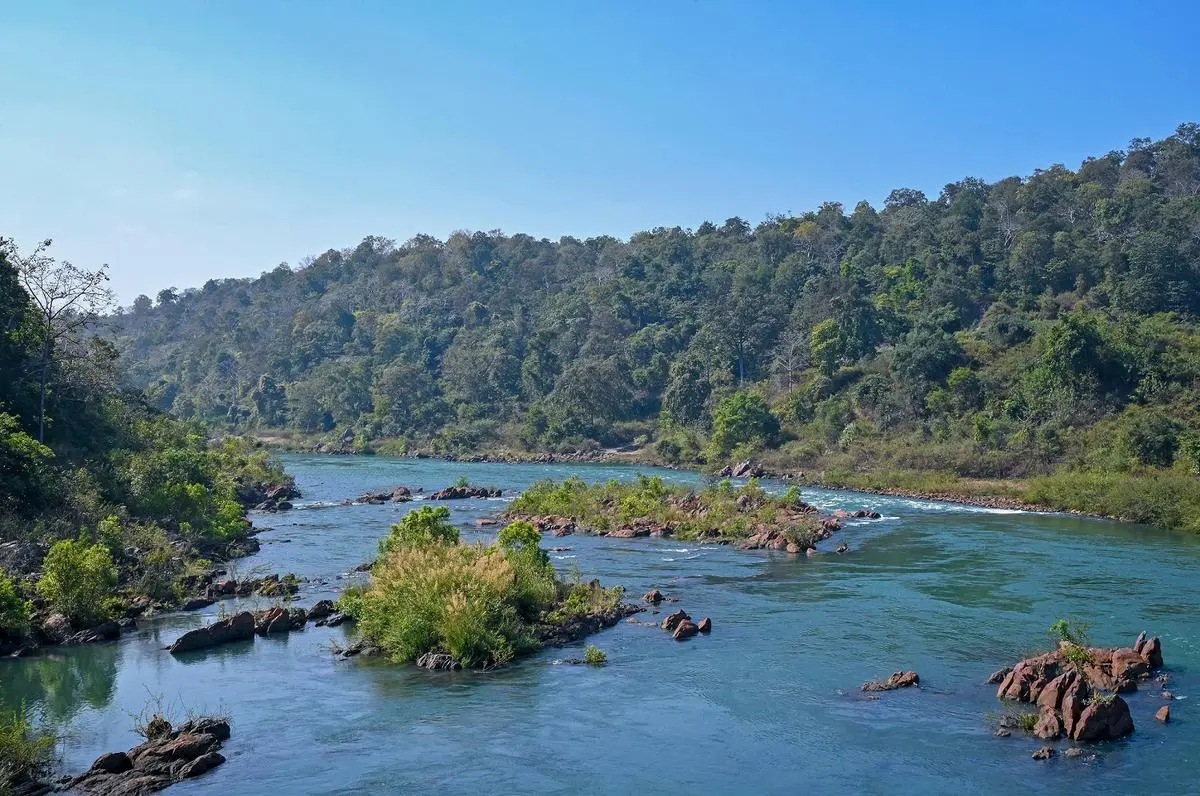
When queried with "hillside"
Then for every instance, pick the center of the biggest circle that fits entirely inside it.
(1003, 330)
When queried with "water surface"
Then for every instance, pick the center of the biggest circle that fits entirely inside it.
(767, 704)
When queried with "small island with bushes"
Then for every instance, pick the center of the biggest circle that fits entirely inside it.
(441, 604)
(745, 516)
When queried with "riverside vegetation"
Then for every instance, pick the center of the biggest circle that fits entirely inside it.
(441, 604)
(746, 516)
(1034, 338)
(106, 503)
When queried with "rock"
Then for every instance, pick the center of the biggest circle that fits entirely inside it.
(1165, 694)
(484, 522)
(333, 620)
(56, 628)
(238, 627)
(1073, 752)
(1103, 720)
(196, 603)
(897, 680)
(998, 676)
(685, 629)
(1152, 652)
(112, 763)
(1027, 679)
(1049, 725)
(654, 597)
(1074, 700)
(1052, 695)
(464, 492)
(705, 625)
(156, 764)
(321, 610)
(1140, 643)
(201, 764)
(1003, 732)
(674, 620)
(105, 631)
(1128, 663)
(279, 620)
(1045, 753)
(746, 469)
(842, 548)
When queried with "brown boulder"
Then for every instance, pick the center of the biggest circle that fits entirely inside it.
(238, 627)
(1163, 714)
(112, 763)
(1049, 726)
(1140, 643)
(674, 620)
(997, 677)
(56, 628)
(897, 680)
(1152, 652)
(320, 610)
(654, 597)
(1103, 720)
(1052, 695)
(1074, 700)
(705, 625)
(685, 629)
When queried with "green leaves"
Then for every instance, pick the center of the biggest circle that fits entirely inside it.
(77, 577)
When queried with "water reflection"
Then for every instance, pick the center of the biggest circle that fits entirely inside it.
(60, 684)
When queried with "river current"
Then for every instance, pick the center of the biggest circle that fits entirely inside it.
(768, 703)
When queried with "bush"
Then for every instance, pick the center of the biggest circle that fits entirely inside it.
(14, 611)
(25, 752)
(594, 655)
(417, 528)
(77, 578)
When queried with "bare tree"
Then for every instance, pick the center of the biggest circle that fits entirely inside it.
(68, 298)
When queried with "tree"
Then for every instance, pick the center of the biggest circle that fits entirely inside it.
(68, 298)
(77, 577)
(743, 419)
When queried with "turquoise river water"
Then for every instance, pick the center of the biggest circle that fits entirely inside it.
(768, 703)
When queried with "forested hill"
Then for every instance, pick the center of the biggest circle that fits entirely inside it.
(985, 331)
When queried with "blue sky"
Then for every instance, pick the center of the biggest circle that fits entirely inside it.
(181, 141)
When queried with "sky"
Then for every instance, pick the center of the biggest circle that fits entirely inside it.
(183, 141)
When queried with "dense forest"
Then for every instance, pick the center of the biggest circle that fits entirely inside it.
(104, 499)
(1002, 330)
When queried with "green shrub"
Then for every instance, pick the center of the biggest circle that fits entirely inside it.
(426, 524)
(742, 419)
(76, 579)
(594, 655)
(14, 611)
(25, 752)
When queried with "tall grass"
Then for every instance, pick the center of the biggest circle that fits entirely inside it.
(1165, 498)
(26, 753)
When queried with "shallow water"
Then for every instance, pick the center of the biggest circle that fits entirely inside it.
(768, 703)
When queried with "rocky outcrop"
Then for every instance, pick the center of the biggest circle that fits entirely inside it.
(743, 469)
(463, 492)
(320, 610)
(279, 620)
(704, 625)
(171, 757)
(1163, 714)
(897, 680)
(400, 494)
(685, 630)
(262, 497)
(558, 526)
(654, 597)
(672, 621)
(239, 627)
(105, 631)
(1069, 693)
(19, 557)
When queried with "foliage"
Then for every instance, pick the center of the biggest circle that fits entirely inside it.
(742, 419)
(420, 527)
(25, 751)
(717, 511)
(77, 577)
(594, 656)
(431, 594)
(14, 610)
(1072, 638)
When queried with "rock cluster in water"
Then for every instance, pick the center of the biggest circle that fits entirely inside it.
(245, 625)
(170, 756)
(464, 492)
(1070, 695)
(400, 494)
(897, 680)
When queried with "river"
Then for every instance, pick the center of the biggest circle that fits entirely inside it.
(768, 703)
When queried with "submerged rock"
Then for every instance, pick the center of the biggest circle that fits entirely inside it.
(654, 597)
(105, 631)
(1163, 714)
(1045, 753)
(897, 680)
